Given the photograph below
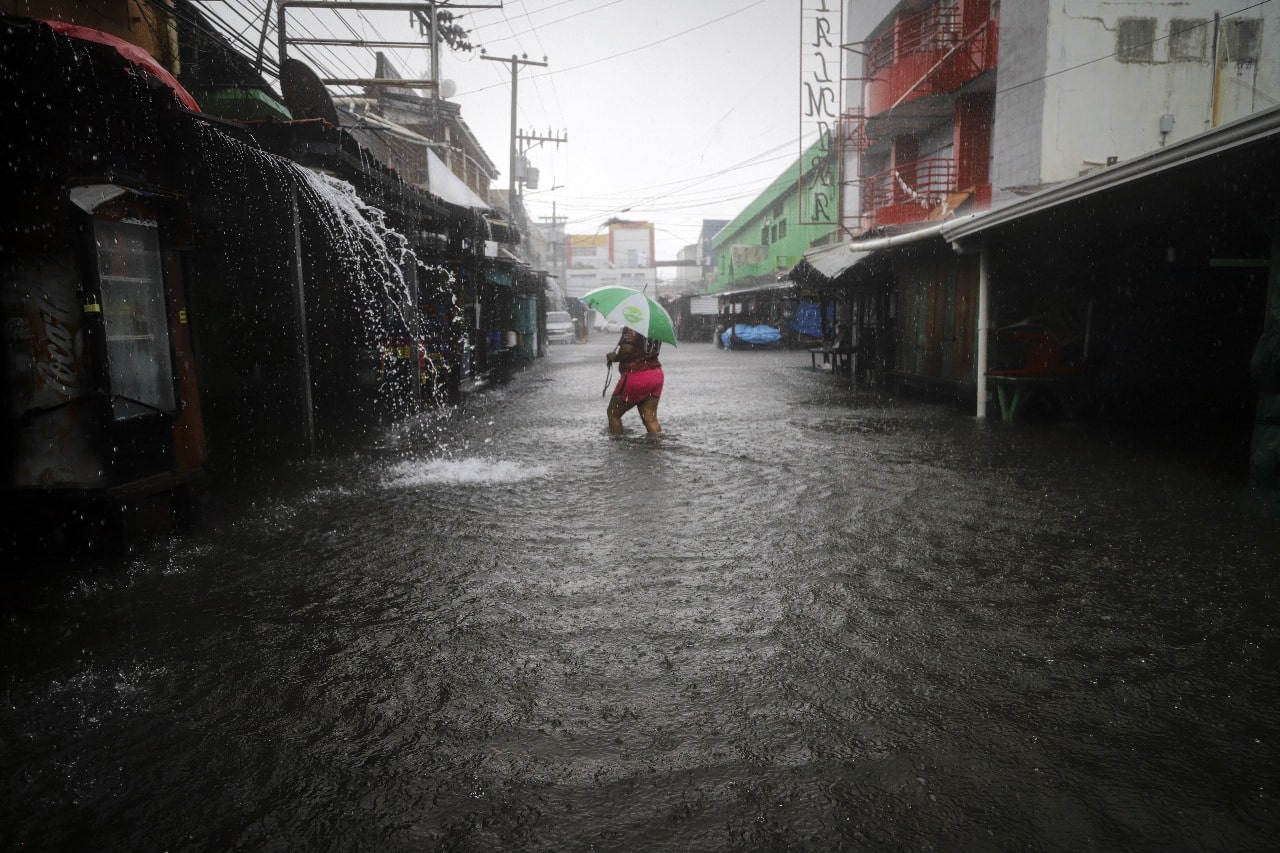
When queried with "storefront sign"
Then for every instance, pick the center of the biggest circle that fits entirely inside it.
(821, 28)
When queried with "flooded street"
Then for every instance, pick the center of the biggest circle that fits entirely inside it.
(806, 617)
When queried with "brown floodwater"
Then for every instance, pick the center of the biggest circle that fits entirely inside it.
(806, 617)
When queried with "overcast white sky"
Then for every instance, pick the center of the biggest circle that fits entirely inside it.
(675, 110)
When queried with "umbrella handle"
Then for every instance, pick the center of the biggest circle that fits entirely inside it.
(607, 378)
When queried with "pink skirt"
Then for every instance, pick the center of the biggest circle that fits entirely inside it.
(641, 385)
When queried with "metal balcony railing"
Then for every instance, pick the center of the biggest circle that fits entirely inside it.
(938, 28)
(928, 53)
(851, 131)
(908, 191)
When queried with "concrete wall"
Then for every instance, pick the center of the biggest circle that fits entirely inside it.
(631, 245)
(1016, 135)
(1112, 108)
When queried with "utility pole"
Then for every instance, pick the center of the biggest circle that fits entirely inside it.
(516, 62)
(557, 232)
(435, 55)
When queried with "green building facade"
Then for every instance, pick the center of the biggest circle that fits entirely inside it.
(767, 237)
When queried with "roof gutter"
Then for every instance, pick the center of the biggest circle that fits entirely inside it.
(877, 243)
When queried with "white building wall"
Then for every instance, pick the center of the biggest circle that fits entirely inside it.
(634, 277)
(578, 282)
(631, 247)
(1109, 108)
(1065, 103)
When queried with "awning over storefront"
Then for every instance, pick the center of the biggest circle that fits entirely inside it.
(833, 261)
(448, 186)
(515, 274)
(131, 52)
(777, 287)
(825, 264)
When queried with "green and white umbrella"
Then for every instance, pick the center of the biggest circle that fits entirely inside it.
(634, 310)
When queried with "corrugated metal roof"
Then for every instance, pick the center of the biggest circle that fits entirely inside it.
(763, 288)
(1261, 127)
(832, 261)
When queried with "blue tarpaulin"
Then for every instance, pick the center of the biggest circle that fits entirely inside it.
(807, 319)
(751, 335)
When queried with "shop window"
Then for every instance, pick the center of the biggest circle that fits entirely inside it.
(1188, 39)
(134, 316)
(1135, 39)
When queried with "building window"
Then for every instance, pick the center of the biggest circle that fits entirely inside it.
(764, 236)
(1188, 39)
(1244, 39)
(782, 228)
(1135, 39)
(585, 252)
(773, 233)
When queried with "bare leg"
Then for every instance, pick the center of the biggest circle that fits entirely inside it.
(649, 414)
(617, 408)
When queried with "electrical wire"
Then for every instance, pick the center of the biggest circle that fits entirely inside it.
(663, 40)
(557, 20)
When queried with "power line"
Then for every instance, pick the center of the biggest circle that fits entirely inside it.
(636, 49)
(557, 20)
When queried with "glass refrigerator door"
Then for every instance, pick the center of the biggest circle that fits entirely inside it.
(135, 317)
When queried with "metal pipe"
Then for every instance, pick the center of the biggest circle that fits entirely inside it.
(416, 45)
(378, 81)
(984, 327)
(435, 51)
(511, 179)
(302, 350)
(1211, 119)
(262, 39)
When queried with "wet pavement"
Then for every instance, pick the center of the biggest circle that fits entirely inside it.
(807, 617)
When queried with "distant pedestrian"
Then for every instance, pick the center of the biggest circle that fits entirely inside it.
(640, 385)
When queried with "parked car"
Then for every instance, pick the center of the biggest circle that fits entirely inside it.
(610, 327)
(560, 328)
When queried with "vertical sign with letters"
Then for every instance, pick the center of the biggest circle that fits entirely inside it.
(821, 29)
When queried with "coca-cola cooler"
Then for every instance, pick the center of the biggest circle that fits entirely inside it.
(100, 386)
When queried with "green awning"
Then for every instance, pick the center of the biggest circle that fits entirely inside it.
(243, 105)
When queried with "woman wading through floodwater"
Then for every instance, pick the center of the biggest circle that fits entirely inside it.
(640, 385)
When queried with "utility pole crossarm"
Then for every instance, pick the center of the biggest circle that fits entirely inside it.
(516, 62)
(420, 7)
(534, 137)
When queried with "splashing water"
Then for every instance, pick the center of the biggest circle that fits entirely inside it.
(379, 254)
(455, 472)
(379, 267)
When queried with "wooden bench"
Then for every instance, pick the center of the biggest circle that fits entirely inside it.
(840, 358)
